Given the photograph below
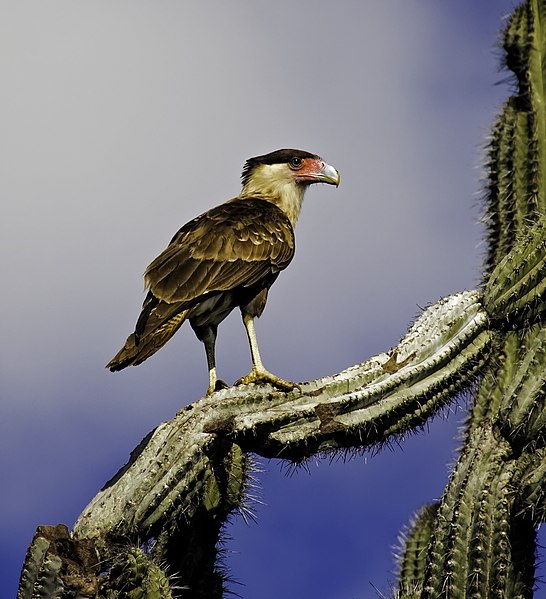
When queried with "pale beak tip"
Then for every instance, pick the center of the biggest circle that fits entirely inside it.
(331, 175)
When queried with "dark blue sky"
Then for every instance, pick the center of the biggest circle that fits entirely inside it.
(122, 121)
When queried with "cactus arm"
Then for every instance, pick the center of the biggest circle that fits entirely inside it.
(360, 407)
(190, 473)
(412, 553)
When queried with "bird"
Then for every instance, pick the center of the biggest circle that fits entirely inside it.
(227, 257)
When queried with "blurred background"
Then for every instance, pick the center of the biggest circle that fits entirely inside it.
(123, 120)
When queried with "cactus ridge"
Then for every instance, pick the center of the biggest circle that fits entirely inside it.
(523, 408)
(497, 376)
(516, 43)
(414, 543)
(499, 194)
(470, 552)
(531, 485)
(516, 290)
(135, 575)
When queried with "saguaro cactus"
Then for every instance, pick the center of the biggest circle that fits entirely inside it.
(152, 531)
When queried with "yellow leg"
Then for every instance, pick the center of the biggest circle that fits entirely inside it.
(259, 374)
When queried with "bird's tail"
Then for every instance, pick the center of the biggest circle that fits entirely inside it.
(139, 348)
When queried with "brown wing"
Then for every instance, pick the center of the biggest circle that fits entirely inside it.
(235, 244)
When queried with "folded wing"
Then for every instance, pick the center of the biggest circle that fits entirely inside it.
(240, 244)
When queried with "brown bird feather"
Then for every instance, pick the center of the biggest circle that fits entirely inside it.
(232, 247)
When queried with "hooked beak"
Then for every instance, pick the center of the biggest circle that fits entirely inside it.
(328, 174)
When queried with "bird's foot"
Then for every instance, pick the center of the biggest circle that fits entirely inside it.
(264, 377)
(218, 386)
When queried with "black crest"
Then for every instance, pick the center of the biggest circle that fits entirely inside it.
(276, 157)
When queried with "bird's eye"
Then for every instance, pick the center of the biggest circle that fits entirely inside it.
(295, 163)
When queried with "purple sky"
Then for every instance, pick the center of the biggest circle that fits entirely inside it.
(120, 122)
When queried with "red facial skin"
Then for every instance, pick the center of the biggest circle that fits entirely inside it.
(314, 170)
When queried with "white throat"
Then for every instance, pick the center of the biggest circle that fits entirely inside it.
(273, 183)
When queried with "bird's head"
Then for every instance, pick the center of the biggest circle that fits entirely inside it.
(294, 166)
(283, 176)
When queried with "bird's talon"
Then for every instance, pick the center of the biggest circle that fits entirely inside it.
(266, 377)
(218, 386)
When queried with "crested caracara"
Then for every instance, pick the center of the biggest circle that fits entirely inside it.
(227, 257)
